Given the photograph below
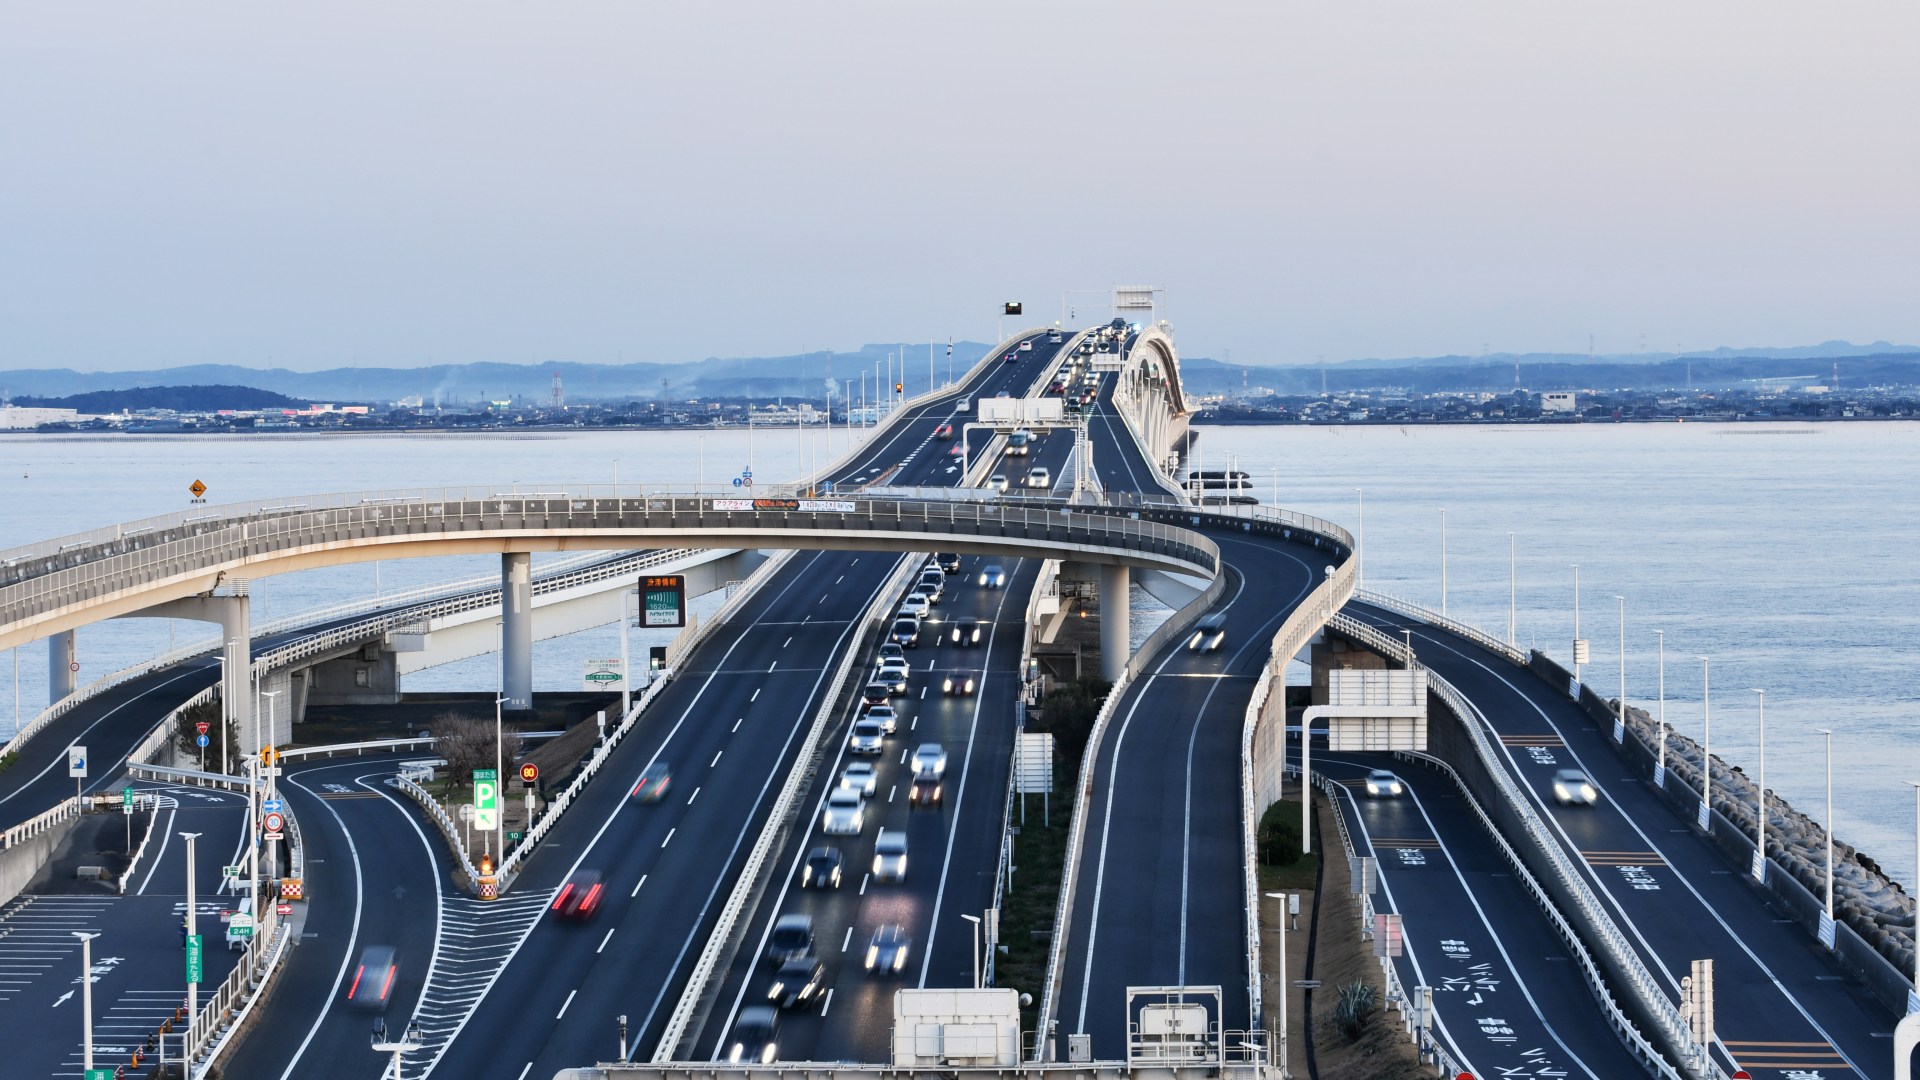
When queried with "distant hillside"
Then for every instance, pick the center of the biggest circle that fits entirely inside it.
(179, 398)
(1205, 376)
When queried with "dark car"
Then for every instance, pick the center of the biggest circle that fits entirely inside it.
(887, 952)
(654, 782)
(1011, 357)
(822, 869)
(876, 692)
(580, 897)
(992, 576)
(1208, 633)
(925, 791)
(965, 632)
(906, 632)
(756, 1036)
(799, 983)
(373, 979)
(791, 939)
(960, 683)
(949, 562)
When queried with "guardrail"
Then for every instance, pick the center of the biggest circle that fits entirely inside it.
(1402, 606)
(720, 942)
(65, 810)
(371, 745)
(449, 831)
(193, 777)
(1637, 1044)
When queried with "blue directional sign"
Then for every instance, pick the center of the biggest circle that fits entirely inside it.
(200, 739)
(269, 806)
(736, 481)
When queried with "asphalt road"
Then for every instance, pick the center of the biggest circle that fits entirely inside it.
(1781, 1004)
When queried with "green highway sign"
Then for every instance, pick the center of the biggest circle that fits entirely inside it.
(486, 799)
(515, 835)
(98, 1074)
(195, 968)
(126, 797)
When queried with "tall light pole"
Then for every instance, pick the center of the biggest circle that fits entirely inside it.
(86, 999)
(1281, 982)
(1359, 532)
(1620, 713)
(1576, 623)
(407, 1040)
(1760, 810)
(1443, 562)
(626, 676)
(975, 920)
(500, 781)
(193, 936)
(1660, 769)
(1706, 749)
(1826, 923)
(1513, 590)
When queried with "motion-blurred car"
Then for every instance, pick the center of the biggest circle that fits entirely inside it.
(798, 983)
(580, 897)
(930, 758)
(992, 576)
(860, 776)
(933, 583)
(960, 683)
(1208, 633)
(925, 791)
(654, 781)
(867, 737)
(1382, 784)
(756, 1036)
(1572, 788)
(965, 632)
(887, 952)
(373, 978)
(957, 450)
(916, 605)
(944, 431)
(791, 938)
(822, 868)
(890, 856)
(844, 814)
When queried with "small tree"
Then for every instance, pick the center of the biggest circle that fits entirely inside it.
(1069, 710)
(186, 735)
(467, 743)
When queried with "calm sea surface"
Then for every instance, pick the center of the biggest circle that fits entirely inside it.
(1789, 554)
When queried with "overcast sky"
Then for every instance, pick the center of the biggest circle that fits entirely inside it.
(330, 184)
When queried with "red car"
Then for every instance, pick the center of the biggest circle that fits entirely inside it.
(944, 431)
(957, 451)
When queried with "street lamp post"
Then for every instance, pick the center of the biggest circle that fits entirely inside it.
(1576, 623)
(86, 999)
(1620, 713)
(975, 920)
(1281, 983)
(1760, 809)
(1660, 768)
(408, 1040)
(1513, 590)
(1826, 919)
(1443, 562)
(193, 934)
(500, 780)
(1359, 532)
(1706, 749)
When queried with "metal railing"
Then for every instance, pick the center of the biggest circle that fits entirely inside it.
(1402, 606)
(65, 810)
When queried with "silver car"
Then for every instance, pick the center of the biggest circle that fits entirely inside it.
(867, 737)
(860, 776)
(930, 758)
(1571, 787)
(845, 813)
(890, 856)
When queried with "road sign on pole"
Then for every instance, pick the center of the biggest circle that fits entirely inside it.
(200, 741)
(202, 727)
(195, 967)
(529, 773)
(486, 800)
(603, 674)
(77, 761)
(272, 824)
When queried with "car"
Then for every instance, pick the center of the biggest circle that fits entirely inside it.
(916, 605)
(997, 482)
(790, 939)
(892, 675)
(1057, 386)
(1053, 337)
(957, 451)
(890, 856)
(821, 869)
(1012, 356)
(1039, 477)
(654, 781)
(965, 632)
(1026, 346)
(925, 791)
(933, 585)
(1572, 788)
(948, 562)
(885, 716)
(1382, 784)
(891, 650)
(1208, 633)
(756, 1036)
(845, 813)
(906, 632)
(887, 951)
(877, 692)
(929, 758)
(373, 979)
(1073, 405)
(944, 431)
(992, 576)
(960, 683)
(860, 776)
(798, 983)
(867, 737)
(580, 897)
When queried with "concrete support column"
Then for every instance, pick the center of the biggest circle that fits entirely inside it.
(61, 654)
(236, 630)
(1116, 611)
(516, 630)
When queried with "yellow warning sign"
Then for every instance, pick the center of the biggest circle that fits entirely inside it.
(197, 488)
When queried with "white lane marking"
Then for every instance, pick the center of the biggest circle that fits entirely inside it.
(923, 693)
(604, 940)
(569, 1001)
(715, 761)
(863, 892)
(736, 723)
(894, 788)
(848, 940)
(525, 1071)
(669, 838)
(353, 932)
(636, 887)
(690, 798)
(770, 667)
(828, 1002)
(755, 697)
(154, 863)
(789, 641)
(106, 775)
(840, 579)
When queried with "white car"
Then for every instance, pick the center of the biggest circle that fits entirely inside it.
(997, 482)
(883, 715)
(1026, 346)
(845, 813)
(890, 856)
(867, 738)
(930, 758)
(1039, 477)
(860, 777)
(915, 606)
(894, 673)
(1572, 788)
(1382, 784)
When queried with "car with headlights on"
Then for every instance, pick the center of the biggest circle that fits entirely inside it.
(960, 683)
(756, 1036)
(875, 693)
(885, 716)
(822, 867)
(930, 758)
(1208, 633)
(948, 562)
(1571, 787)
(965, 632)
(915, 606)
(860, 776)
(992, 576)
(906, 632)
(844, 814)
(925, 790)
(798, 984)
(890, 856)
(933, 585)
(893, 674)
(1382, 784)
(867, 737)
(997, 482)
(887, 951)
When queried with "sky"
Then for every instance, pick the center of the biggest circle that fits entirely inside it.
(312, 186)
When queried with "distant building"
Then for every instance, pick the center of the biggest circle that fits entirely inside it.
(1557, 401)
(15, 417)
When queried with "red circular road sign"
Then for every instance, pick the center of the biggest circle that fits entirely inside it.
(529, 772)
(273, 822)
(201, 727)
(75, 666)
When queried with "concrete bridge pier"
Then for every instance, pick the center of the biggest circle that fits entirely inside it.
(516, 631)
(234, 614)
(61, 654)
(1116, 620)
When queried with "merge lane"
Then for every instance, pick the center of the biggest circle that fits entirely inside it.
(1675, 899)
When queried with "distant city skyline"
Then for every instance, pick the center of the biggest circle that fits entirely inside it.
(367, 185)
